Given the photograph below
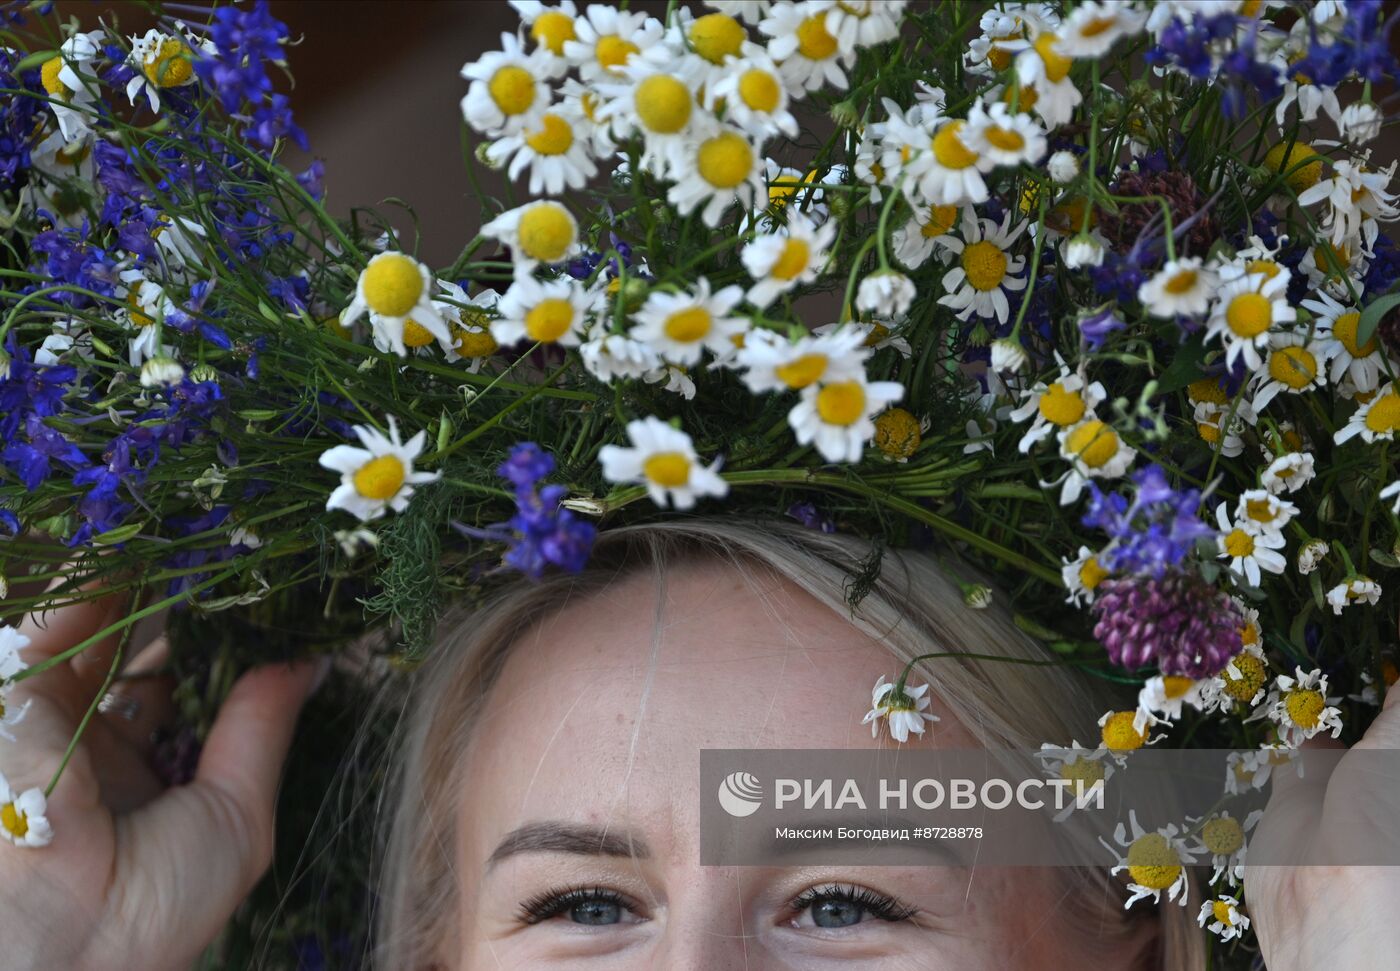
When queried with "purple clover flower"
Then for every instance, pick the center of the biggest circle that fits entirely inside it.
(1177, 622)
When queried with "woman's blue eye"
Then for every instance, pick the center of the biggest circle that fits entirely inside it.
(837, 913)
(596, 912)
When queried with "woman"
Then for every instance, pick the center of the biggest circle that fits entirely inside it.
(548, 802)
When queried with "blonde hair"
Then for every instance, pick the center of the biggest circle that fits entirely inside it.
(911, 606)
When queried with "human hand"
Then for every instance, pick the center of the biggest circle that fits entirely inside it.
(1342, 918)
(137, 875)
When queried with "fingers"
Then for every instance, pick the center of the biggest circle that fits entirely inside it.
(54, 631)
(139, 702)
(1385, 730)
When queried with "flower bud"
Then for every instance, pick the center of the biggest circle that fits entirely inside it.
(160, 371)
(1314, 551)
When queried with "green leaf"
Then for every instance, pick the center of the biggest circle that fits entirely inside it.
(1315, 581)
(1185, 366)
(34, 60)
(257, 414)
(1371, 316)
(1384, 558)
(119, 535)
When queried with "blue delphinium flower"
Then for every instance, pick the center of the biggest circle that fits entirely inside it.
(29, 389)
(1157, 530)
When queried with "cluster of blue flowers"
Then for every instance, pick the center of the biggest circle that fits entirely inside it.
(1154, 531)
(245, 42)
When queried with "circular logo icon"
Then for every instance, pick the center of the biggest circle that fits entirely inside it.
(740, 794)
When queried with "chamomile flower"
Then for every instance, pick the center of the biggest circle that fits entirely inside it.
(1082, 576)
(749, 11)
(1222, 838)
(1260, 511)
(550, 27)
(395, 289)
(1376, 420)
(1245, 678)
(610, 356)
(537, 232)
(923, 235)
(838, 416)
(1223, 427)
(11, 643)
(1300, 707)
(554, 149)
(1294, 366)
(663, 459)
(998, 137)
(1222, 917)
(162, 61)
(1331, 266)
(860, 23)
(508, 89)
(1181, 288)
(774, 363)
(1044, 66)
(584, 100)
(606, 39)
(1063, 167)
(1094, 451)
(1155, 861)
(681, 326)
(1358, 589)
(904, 710)
(716, 172)
(779, 261)
(808, 55)
(1124, 732)
(654, 100)
(1357, 200)
(1085, 770)
(71, 94)
(147, 304)
(985, 271)
(707, 43)
(1289, 472)
(1096, 25)
(378, 476)
(543, 311)
(1003, 25)
(1166, 697)
(1081, 251)
(948, 171)
(754, 95)
(1311, 554)
(1336, 330)
(469, 321)
(22, 819)
(1246, 314)
(1360, 122)
(1008, 354)
(1249, 548)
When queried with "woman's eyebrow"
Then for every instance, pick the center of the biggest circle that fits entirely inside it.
(557, 837)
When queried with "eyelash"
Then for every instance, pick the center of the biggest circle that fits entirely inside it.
(552, 903)
(878, 905)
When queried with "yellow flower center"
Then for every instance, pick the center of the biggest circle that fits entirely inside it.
(802, 371)
(1281, 158)
(999, 58)
(760, 90)
(1261, 510)
(842, 403)
(1267, 268)
(940, 220)
(1250, 634)
(1119, 733)
(716, 36)
(670, 470)
(392, 285)
(1087, 772)
(1206, 389)
(1152, 863)
(897, 433)
(878, 333)
(1239, 543)
(380, 478)
(549, 320)
(552, 29)
(473, 343)
(814, 42)
(725, 160)
(793, 260)
(613, 52)
(1221, 910)
(1175, 686)
(1097, 26)
(1383, 418)
(1209, 433)
(949, 150)
(1344, 330)
(1094, 443)
(1006, 139)
(48, 76)
(1182, 281)
(1091, 574)
(1250, 679)
(1061, 407)
(1056, 65)
(415, 334)
(985, 265)
(136, 313)
(169, 65)
(663, 104)
(1249, 314)
(554, 137)
(1026, 96)
(1305, 707)
(1332, 260)
(689, 325)
(546, 232)
(513, 89)
(1222, 835)
(16, 823)
(1294, 367)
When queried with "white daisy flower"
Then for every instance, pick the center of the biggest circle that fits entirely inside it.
(1300, 707)
(606, 39)
(11, 643)
(716, 172)
(1095, 26)
(71, 93)
(162, 61)
(1294, 365)
(1222, 837)
(681, 326)
(554, 149)
(537, 232)
(1124, 732)
(1257, 258)
(1332, 267)
(1376, 420)
(22, 820)
(749, 11)
(1082, 576)
(1289, 472)
(861, 23)
(582, 99)
(147, 304)
(1223, 427)
(1360, 122)
(754, 94)
(706, 44)
(838, 417)
(1155, 861)
(1249, 548)
(999, 137)
(924, 234)
(663, 459)
(904, 710)
(808, 55)
(1063, 167)
(469, 320)
(1222, 917)
(1245, 679)
(1356, 590)
(353, 542)
(878, 336)
(948, 170)
(653, 100)
(1182, 287)
(1165, 697)
(774, 363)
(1260, 511)
(790, 188)
(782, 260)
(885, 293)
(1081, 251)
(609, 356)
(1311, 554)
(1309, 97)
(1043, 66)
(1336, 332)
(989, 53)
(544, 311)
(1245, 315)
(1085, 769)
(377, 477)
(1357, 201)
(1008, 356)
(395, 289)
(161, 371)
(508, 89)
(985, 271)
(1094, 451)
(550, 27)
(677, 380)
